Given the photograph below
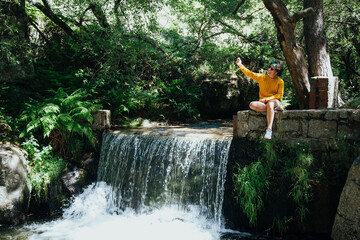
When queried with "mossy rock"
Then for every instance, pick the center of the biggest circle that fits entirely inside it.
(5, 132)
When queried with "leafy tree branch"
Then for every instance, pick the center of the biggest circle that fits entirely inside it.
(46, 9)
(99, 14)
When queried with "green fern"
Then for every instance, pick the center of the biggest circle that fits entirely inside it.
(63, 119)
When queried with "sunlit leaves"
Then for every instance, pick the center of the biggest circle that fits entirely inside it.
(62, 119)
(342, 22)
(45, 167)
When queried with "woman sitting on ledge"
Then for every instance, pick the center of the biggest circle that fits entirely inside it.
(271, 90)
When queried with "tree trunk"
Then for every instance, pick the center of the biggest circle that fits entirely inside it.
(24, 21)
(317, 49)
(295, 60)
(316, 42)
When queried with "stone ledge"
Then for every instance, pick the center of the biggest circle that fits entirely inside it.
(310, 126)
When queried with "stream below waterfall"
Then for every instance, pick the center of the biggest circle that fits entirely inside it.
(148, 187)
(90, 217)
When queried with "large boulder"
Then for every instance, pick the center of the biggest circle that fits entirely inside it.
(14, 184)
(347, 220)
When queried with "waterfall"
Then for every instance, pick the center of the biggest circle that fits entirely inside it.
(148, 188)
(150, 172)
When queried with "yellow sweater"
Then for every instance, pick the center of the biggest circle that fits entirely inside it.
(269, 88)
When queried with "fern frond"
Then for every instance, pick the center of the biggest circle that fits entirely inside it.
(50, 108)
(59, 94)
(73, 100)
(48, 123)
(33, 125)
(89, 134)
(82, 113)
(65, 122)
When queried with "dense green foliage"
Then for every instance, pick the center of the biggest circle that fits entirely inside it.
(45, 167)
(149, 58)
(343, 32)
(65, 119)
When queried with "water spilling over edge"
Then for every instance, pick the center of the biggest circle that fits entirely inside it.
(176, 209)
(149, 172)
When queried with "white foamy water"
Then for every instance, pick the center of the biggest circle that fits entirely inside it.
(149, 188)
(90, 216)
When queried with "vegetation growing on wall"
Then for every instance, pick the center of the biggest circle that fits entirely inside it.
(279, 183)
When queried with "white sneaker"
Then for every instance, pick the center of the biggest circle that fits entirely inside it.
(278, 108)
(268, 134)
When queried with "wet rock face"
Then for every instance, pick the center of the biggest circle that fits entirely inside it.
(74, 180)
(347, 220)
(14, 184)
